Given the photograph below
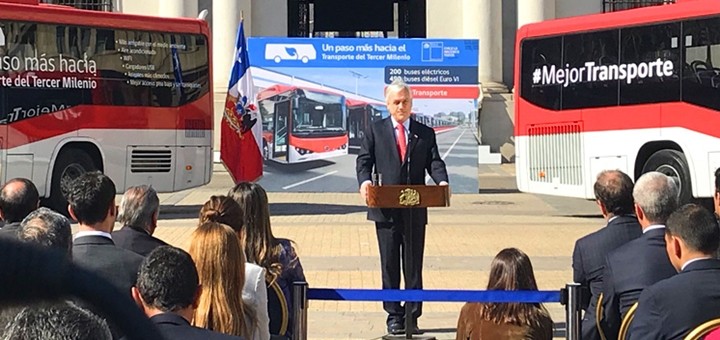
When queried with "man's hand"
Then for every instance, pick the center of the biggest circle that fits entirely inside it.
(364, 189)
(444, 183)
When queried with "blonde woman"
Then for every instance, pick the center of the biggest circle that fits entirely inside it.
(510, 270)
(222, 209)
(276, 255)
(220, 261)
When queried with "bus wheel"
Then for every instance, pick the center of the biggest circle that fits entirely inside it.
(69, 165)
(672, 163)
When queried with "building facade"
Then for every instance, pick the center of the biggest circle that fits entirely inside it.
(493, 22)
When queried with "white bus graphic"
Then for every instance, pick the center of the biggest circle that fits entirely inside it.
(278, 52)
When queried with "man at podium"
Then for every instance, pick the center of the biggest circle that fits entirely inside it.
(399, 150)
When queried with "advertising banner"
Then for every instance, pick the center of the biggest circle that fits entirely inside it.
(317, 96)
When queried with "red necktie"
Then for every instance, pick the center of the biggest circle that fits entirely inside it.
(402, 143)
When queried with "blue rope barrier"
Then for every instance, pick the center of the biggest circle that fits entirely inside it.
(417, 295)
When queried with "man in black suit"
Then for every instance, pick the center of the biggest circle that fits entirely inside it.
(91, 201)
(18, 197)
(167, 291)
(139, 209)
(613, 194)
(47, 228)
(641, 262)
(56, 321)
(400, 150)
(671, 308)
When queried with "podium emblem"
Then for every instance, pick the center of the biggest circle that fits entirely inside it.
(409, 197)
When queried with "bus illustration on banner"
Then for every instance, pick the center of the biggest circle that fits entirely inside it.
(280, 52)
(301, 124)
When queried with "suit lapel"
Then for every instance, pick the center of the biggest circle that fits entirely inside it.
(412, 141)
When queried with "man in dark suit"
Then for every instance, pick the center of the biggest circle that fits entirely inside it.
(400, 150)
(613, 194)
(167, 291)
(47, 228)
(91, 201)
(671, 308)
(641, 262)
(139, 209)
(18, 197)
(54, 321)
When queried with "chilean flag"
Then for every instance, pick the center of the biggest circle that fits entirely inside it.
(241, 126)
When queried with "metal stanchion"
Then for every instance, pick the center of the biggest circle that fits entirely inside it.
(572, 311)
(300, 310)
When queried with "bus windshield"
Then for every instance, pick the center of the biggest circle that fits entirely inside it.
(319, 114)
(379, 112)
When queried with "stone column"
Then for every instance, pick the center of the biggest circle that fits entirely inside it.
(191, 8)
(225, 21)
(530, 11)
(172, 9)
(482, 19)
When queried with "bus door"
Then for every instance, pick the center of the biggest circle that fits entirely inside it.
(280, 130)
(356, 125)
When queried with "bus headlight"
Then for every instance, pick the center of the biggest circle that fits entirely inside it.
(302, 151)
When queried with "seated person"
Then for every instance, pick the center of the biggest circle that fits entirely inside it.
(510, 270)
(167, 291)
(220, 261)
(671, 308)
(56, 321)
(224, 210)
(276, 255)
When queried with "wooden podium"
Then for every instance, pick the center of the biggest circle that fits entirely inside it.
(408, 196)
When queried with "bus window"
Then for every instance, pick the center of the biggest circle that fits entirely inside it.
(540, 57)
(651, 48)
(319, 113)
(701, 78)
(590, 87)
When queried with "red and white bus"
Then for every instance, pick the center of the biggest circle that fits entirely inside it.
(636, 90)
(302, 124)
(360, 115)
(85, 90)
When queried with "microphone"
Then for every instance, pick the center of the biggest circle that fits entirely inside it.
(411, 146)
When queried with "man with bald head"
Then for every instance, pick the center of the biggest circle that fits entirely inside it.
(18, 198)
(401, 150)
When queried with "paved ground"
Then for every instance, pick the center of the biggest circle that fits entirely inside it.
(338, 247)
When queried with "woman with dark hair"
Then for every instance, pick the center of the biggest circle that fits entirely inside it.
(276, 255)
(510, 270)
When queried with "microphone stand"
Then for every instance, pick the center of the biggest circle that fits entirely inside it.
(408, 261)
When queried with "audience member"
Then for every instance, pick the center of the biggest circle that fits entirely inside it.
(613, 194)
(716, 195)
(47, 228)
(671, 308)
(276, 255)
(60, 321)
(18, 197)
(641, 262)
(510, 270)
(91, 201)
(219, 259)
(225, 210)
(167, 291)
(139, 210)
